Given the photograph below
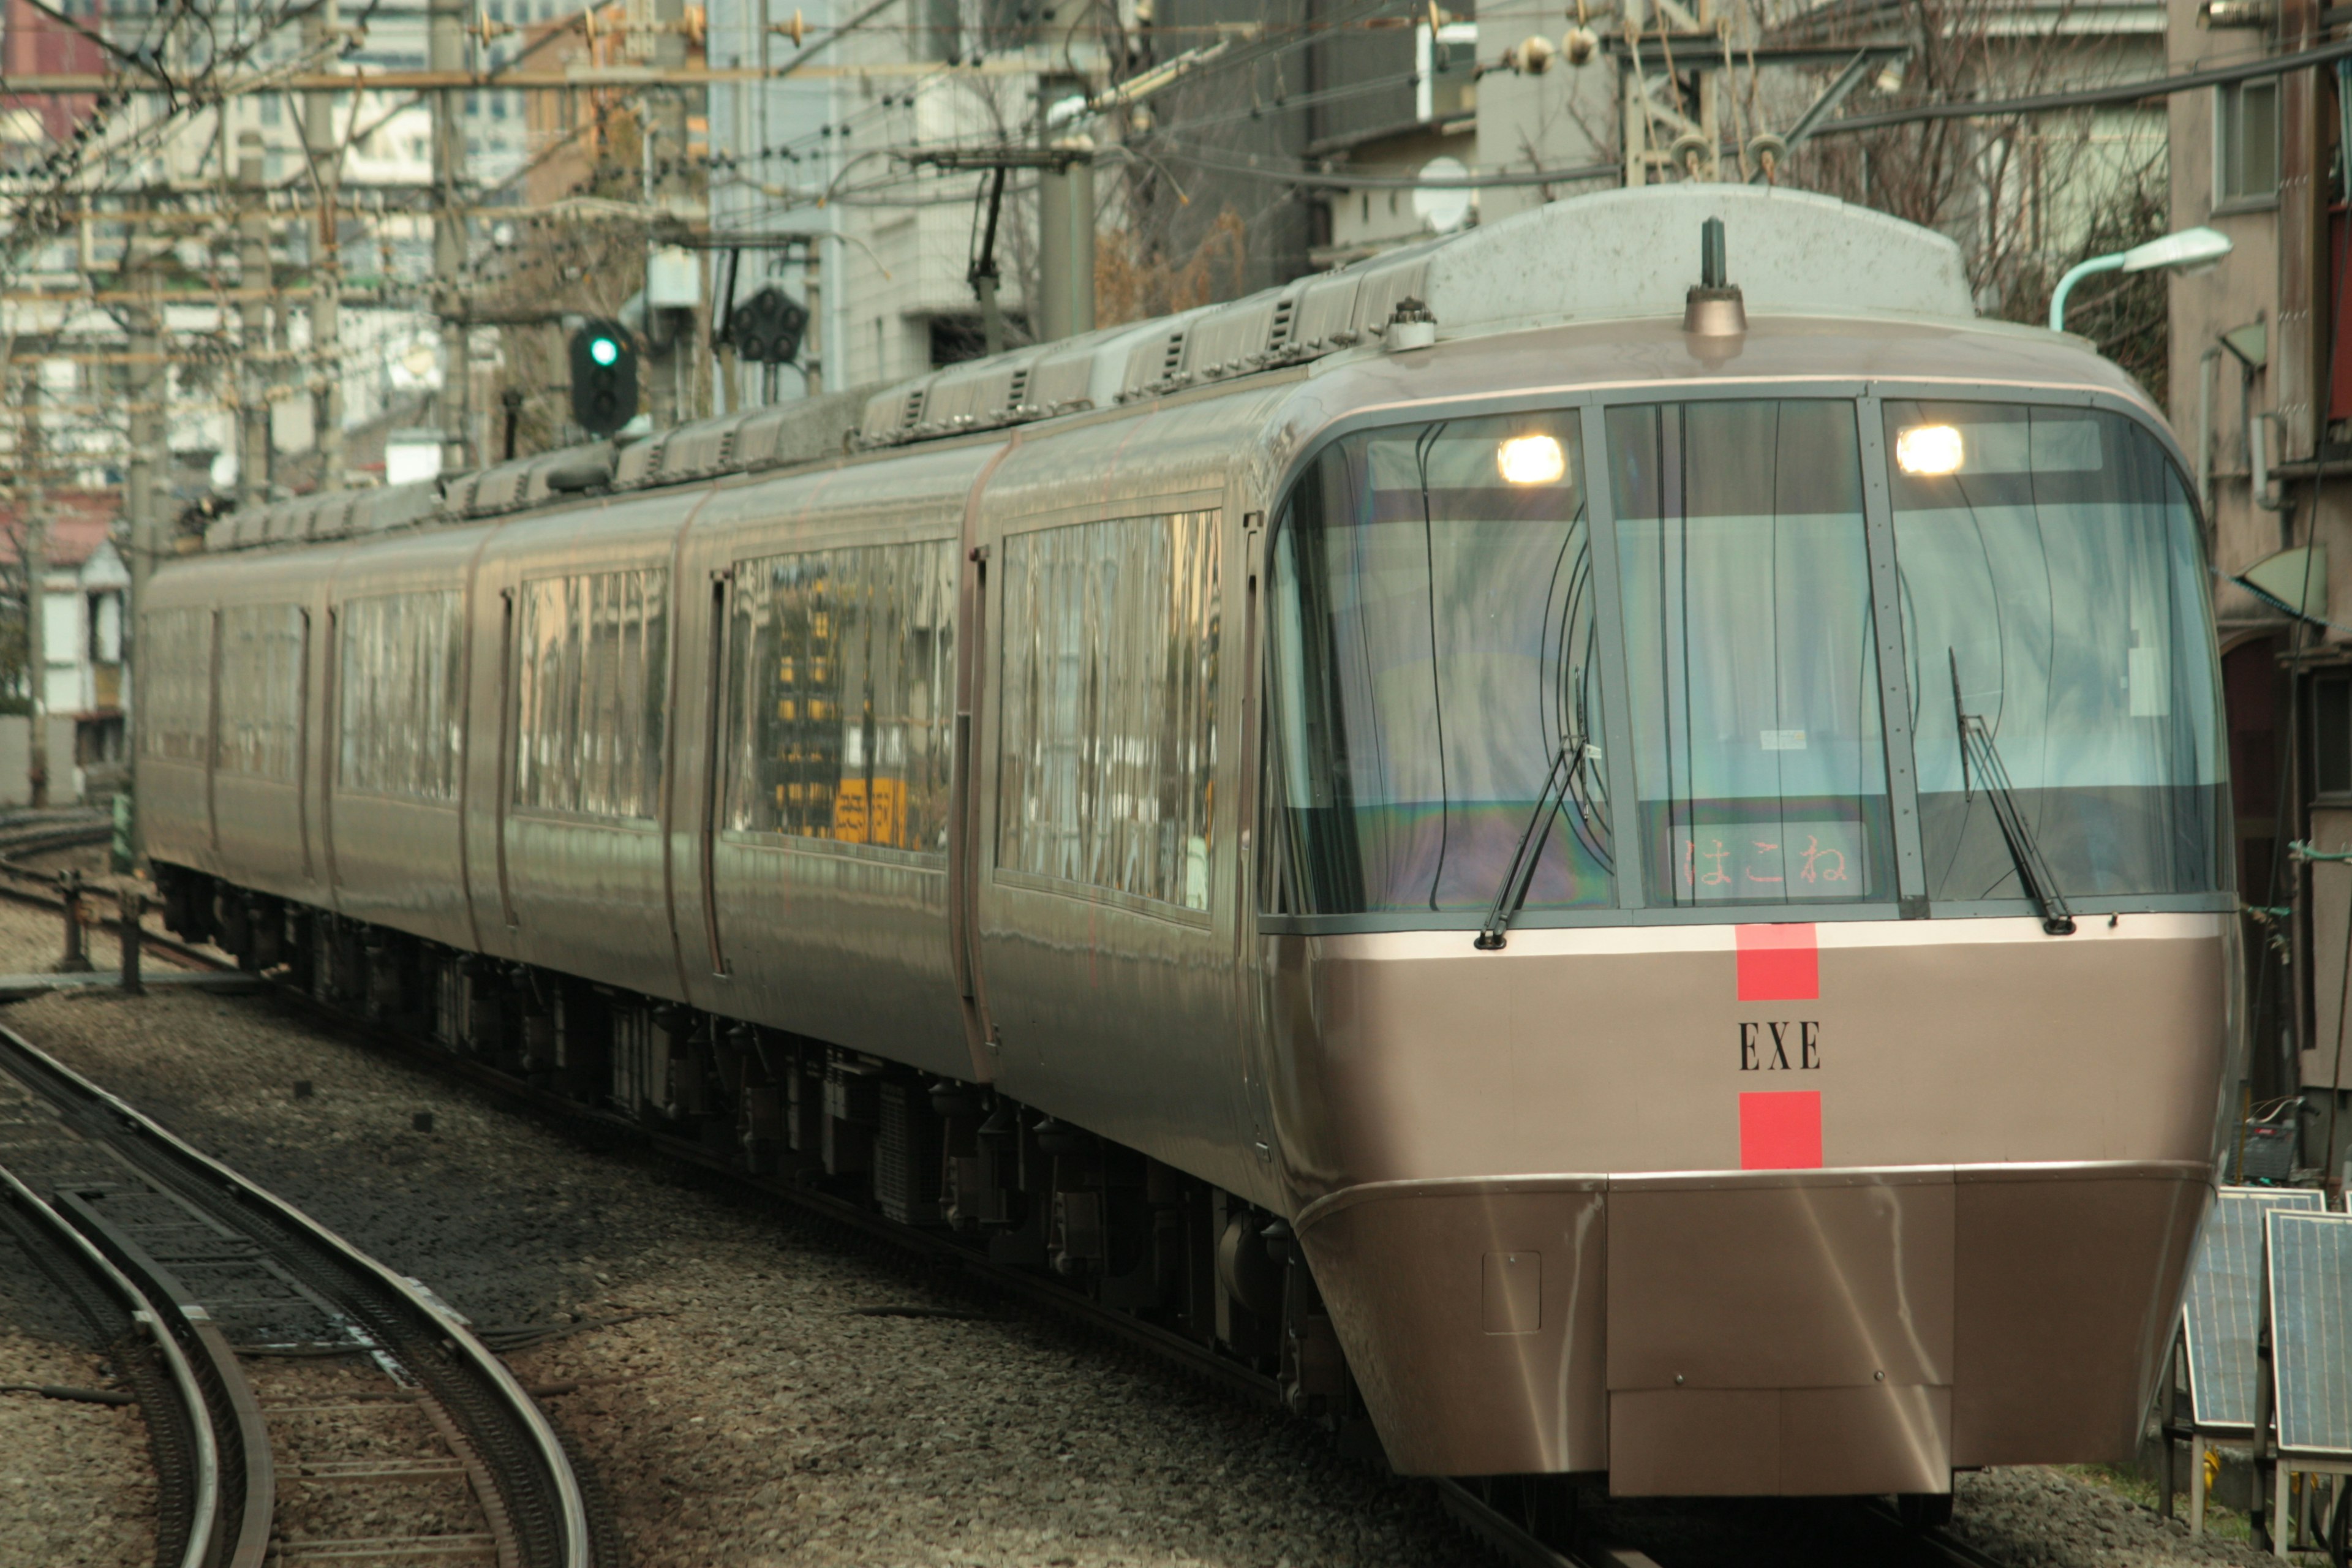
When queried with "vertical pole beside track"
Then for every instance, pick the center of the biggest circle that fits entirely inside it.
(130, 906)
(75, 961)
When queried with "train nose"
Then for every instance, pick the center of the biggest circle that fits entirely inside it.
(1783, 1332)
(1848, 1209)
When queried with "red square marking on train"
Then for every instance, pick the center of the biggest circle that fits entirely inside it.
(1779, 964)
(1780, 1131)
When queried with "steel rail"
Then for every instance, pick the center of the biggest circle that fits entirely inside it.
(392, 1302)
(1496, 1530)
(204, 1511)
(249, 1485)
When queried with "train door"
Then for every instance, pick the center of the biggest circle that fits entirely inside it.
(584, 607)
(262, 655)
(1105, 849)
(175, 737)
(812, 850)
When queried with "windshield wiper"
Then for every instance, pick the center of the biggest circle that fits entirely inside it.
(1521, 874)
(1975, 743)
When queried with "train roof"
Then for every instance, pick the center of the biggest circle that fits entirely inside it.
(1616, 256)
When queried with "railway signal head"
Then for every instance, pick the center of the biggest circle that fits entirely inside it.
(604, 378)
(766, 328)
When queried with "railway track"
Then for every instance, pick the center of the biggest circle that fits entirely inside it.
(124, 1326)
(348, 1413)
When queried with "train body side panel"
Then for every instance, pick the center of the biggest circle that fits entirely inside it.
(575, 665)
(810, 845)
(1115, 1011)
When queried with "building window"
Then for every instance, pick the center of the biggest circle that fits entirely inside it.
(843, 695)
(591, 679)
(1110, 737)
(2331, 724)
(2246, 143)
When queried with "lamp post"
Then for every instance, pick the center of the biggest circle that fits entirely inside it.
(2179, 252)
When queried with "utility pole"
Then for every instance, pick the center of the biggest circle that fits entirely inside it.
(145, 384)
(446, 52)
(1066, 232)
(253, 279)
(33, 553)
(812, 347)
(36, 645)
(1066, 221)
(320, 143)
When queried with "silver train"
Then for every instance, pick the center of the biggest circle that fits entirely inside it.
(1595, 873)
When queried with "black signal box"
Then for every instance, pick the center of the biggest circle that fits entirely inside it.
(604, 378)
(766, 328)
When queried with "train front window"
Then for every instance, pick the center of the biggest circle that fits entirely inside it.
(1759, 752)
(1432, 659)
(2051, 572)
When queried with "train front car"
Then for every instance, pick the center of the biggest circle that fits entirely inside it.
(1747, 974)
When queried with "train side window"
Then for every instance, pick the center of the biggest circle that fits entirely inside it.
(590, 661)
(400, 711)
(261, 690)
(2331, 726)
(841, 685)
(1108, 744)
(175, 669)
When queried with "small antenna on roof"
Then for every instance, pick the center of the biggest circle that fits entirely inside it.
(1714, 308)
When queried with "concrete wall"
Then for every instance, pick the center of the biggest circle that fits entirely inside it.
(16, 742)
(2211, 395)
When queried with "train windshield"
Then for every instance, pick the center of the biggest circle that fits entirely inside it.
(1434, 654)
(2052, 585)
(1745, 571)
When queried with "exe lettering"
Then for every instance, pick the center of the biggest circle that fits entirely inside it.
(1780, 1046)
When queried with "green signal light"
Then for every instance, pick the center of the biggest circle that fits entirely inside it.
(604, 350)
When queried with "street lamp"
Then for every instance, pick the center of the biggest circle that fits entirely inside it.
(2189, 247)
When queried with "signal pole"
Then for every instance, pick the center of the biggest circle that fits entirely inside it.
(446, 52)
(325, 153)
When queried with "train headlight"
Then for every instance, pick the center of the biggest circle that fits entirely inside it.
(1930, 449)
(1531, 460)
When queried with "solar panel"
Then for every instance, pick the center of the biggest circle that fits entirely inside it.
(2311, 1330)
(2224, 1298)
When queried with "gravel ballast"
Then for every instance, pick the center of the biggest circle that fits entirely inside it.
(710, 1360)
(75, 1486)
